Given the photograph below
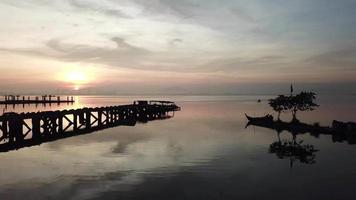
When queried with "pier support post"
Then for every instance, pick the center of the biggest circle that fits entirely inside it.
(87, 119)
(15, 127)
(60, 116)
(100, 123)
(75, 122)
(36, 127)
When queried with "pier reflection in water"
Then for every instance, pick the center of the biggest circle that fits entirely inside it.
(28, 129)
(203, 152)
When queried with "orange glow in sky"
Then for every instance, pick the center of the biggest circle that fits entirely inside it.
(75, 77)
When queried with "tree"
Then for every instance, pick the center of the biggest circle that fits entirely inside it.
(280, 104)
(303, 101)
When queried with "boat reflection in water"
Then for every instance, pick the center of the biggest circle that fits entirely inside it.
(295, 150)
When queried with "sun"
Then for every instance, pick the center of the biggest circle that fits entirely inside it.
(76, 77)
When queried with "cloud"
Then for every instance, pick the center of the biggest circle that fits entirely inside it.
(175, 41)
(258, 64)
(122, 55)
(339, 59)
(211, 14)
(243, 15)
(215, 38)
(98, 6)
(181, 9)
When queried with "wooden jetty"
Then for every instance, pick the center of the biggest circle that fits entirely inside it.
(27, 129)
(44, 99)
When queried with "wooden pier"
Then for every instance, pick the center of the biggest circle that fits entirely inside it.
(27, 129)
(44, 99)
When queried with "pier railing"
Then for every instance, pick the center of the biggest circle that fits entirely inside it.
(17, 99)
(19, 130)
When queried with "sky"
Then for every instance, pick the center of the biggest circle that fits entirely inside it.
(176, 47)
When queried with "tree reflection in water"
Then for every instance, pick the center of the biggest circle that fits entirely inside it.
(294, 150)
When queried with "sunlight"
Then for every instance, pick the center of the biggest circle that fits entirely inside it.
(76, 78)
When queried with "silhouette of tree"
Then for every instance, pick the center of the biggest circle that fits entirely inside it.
(280, 104)
(303, 101)
(294, 150)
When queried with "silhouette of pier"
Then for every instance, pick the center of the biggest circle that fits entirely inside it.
(17, 99)
(27, 129)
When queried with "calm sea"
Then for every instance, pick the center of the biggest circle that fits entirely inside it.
(203, 152)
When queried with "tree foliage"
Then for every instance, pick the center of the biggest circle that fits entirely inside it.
(303, 101)
(279, 104)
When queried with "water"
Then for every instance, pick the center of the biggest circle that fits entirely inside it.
(203, 152)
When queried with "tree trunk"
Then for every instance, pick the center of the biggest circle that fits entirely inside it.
(294, 113)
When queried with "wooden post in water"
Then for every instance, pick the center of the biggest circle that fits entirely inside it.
(75, 121)
(87, 119)
(60, 123)
(100, 123)
(15, 127)
(36, 126)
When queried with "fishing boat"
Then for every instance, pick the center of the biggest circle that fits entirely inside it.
(267, 118)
